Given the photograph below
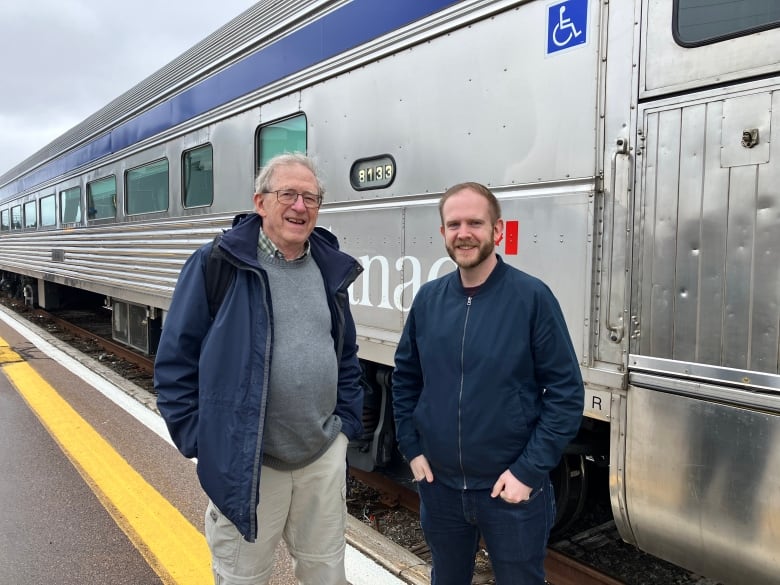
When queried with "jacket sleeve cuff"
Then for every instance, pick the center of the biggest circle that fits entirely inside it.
(350, 430)
(411, 451)
(530, 477)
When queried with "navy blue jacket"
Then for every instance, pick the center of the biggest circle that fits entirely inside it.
(486, 383)
(211, 377)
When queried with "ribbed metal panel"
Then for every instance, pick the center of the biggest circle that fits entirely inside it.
(706, 290)
(142, 261)
(247, 32)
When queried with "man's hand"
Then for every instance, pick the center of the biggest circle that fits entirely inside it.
(510, 489)
(420, 469)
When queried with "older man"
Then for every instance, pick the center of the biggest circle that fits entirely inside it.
(266, 393)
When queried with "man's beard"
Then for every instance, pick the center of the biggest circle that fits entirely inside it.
(485, 250)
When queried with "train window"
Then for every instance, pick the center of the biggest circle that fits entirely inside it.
(101, 198)
(147, 188)
(70, 205)
(48, 211)
(698, 22)
(30, 215)
(16, 217)
(288, 135)
(5, 220)
(197, 176)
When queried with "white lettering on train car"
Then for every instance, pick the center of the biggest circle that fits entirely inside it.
(410, 275)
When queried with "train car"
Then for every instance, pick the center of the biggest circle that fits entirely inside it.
(630, 144)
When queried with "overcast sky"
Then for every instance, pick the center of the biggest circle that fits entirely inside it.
(62, 60)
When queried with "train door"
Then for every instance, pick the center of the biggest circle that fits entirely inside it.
(702, 449)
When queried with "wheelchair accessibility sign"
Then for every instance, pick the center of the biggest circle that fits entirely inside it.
(567, 25)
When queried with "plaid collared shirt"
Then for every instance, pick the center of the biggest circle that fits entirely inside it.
(266, 247)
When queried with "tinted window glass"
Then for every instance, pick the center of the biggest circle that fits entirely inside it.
(287, 135)
(16, 217)
(30, 215)
(70, 205)
(197, 177)
(5, 220)
(700, 21)
(48, 211)
(147, 188)
(101, 198)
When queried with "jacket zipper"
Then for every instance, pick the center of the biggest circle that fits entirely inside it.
(339, 307)
(460, 394)
(253, 528)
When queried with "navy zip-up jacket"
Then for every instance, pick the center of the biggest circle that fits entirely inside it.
(488, 382)
(211, 376)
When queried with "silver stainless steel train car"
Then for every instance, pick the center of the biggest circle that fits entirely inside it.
(630, 144)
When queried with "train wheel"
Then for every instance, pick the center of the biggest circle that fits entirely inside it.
(570, 482)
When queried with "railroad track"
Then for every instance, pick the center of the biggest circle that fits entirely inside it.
(143, 362)
(560, 569)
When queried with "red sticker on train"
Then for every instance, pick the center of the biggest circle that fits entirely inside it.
(511, 230)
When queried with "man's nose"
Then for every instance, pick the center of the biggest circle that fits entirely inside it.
(463, 232)
(298, 203)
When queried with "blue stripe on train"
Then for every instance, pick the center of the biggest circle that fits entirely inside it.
(350, 26)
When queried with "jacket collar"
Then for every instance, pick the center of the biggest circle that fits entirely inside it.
(493, 278)
(336, 266)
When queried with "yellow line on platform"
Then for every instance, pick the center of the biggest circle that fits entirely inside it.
(171, 545)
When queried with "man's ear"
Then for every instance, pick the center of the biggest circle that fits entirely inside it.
(259, 200)
(498, 231)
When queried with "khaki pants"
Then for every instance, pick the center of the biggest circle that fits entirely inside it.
(306, 507)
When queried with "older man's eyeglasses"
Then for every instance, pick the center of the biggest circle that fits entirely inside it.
(290, 196)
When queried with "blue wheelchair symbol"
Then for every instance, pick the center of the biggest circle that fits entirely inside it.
(567, 23)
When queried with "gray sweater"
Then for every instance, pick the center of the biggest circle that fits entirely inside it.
(302, 391)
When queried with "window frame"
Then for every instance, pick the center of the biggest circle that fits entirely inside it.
(41, 201)
(62, 208)
(17, 207)
(26, 206)
(259, 160)
(129, 193)
(106, 219)
(688, 44)
(184, 167)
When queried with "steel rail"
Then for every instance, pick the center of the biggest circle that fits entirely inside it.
(141, 361)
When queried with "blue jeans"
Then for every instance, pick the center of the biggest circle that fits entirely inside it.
(515, 534)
